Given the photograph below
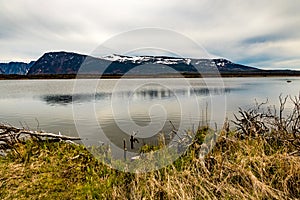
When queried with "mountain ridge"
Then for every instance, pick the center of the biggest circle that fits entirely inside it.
(67, 63)
(70, 63)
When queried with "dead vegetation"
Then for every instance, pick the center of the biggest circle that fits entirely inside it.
(10, 135)
(279, 125)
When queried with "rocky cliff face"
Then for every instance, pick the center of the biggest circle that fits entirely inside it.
(57, 63)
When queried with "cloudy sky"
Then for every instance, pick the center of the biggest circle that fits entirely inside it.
(261, 33)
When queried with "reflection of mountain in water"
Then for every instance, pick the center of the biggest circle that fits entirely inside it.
(144, 94)
(65, 99)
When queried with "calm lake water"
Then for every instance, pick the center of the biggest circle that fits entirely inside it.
(120, 108)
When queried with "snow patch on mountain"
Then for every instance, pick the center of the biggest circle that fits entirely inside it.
(147, 59)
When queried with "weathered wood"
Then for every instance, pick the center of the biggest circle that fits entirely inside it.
(10, 135)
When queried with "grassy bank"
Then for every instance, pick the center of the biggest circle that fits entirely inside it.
(264, 73)
(251, 168)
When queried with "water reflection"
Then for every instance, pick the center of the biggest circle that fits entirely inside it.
(141, 94)
(65, 99)
(50, 102)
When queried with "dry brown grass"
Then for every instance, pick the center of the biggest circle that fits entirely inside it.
(251, 168)
(239, 169)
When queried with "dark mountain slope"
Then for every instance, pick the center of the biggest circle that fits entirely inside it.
(19, 68)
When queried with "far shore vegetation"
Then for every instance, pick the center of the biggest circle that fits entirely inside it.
(256, 156)
(265, 73)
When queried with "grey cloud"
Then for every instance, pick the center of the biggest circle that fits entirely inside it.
(252, 32)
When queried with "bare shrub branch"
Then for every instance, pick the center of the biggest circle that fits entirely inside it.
(283, 125)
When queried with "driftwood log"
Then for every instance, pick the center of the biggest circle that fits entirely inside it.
(9, 135)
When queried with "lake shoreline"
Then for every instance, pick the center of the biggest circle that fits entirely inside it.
(269, 73)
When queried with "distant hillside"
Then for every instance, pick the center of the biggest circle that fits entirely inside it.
(57, 63)
(19, 68)
(69, 63)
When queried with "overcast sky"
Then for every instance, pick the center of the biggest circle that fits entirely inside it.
(259, 33)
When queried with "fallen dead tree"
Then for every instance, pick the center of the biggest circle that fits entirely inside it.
(10, 135)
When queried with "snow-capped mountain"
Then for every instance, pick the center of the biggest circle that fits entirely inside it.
(71, 63)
